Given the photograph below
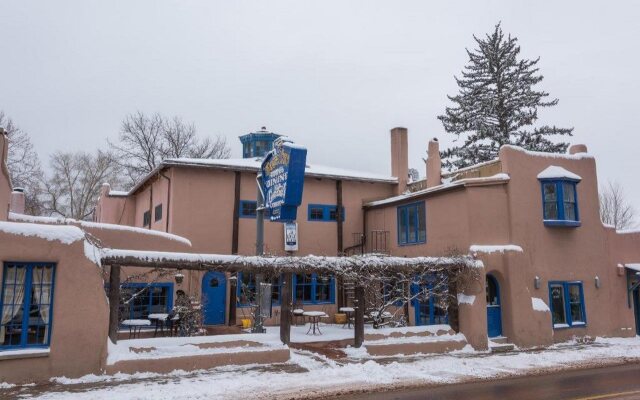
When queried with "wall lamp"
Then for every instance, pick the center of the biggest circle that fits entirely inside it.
(597, 282)
(536, 282)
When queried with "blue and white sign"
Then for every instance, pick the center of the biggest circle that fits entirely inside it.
(282, 179)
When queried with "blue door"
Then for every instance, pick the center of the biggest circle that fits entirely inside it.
(214, 294)
(494, 313)
(427, 309)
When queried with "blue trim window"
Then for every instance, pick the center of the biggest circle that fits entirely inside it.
(27, 305)
(427, 303)
(566, 301)
(323, 212)
(246, 289)
(314, 288)
(560, 202)
(249, 209)
(412, 224)
(140, 299)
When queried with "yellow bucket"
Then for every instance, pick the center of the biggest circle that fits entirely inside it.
(246, 323)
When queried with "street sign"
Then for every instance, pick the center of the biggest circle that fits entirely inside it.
(282, 179)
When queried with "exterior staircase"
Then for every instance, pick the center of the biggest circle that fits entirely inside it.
(500, 344)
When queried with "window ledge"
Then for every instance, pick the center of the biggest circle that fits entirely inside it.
(566, 326)
(562, 223)
(23, 353)
(412, 243)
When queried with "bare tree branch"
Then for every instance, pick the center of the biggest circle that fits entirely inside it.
(615, 209)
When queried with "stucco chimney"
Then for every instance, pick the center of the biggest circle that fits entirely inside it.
(434, 164)
(400, 158)
(4, 146)
(578, 148)
(17, 201)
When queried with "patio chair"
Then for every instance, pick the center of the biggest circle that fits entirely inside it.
(297, 313)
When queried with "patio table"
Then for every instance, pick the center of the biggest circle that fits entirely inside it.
(349, 311)
(160, 321)
(386, 316)
(314, 320)
(135, 325)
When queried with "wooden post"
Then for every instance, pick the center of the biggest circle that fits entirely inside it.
(359, 325)
(285, 308)
(114, 302)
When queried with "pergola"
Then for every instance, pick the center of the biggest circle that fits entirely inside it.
(345, 267)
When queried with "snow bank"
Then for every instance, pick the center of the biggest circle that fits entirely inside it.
(62, 233)
(555, 172)
(141, 231)
(37, 220)
(466, 299)
(539, 305)
(494, 248)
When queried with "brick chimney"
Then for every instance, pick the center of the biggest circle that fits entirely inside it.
(17, 201)
(578, 148)
(400, 158)
(434, 164)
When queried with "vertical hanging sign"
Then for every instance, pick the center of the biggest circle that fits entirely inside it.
(290, 236)
(282, 179)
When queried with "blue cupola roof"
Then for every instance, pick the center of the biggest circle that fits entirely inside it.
(257, 144)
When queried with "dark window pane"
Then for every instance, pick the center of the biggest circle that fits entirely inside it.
(568, 192)
(412, 224)
(158, 212)
(422, 229)
(557, 304)
(550, 192)
(402, 225)
(316, 214)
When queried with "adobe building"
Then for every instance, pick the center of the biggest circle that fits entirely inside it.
(549, 269)
(553, 270)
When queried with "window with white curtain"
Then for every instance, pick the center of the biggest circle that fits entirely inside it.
(26, 302)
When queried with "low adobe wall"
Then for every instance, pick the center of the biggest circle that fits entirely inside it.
(79, 316)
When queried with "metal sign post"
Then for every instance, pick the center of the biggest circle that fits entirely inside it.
(258, 323)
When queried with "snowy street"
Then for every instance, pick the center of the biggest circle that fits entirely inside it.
(309, 375)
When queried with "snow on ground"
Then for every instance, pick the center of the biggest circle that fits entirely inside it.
(307, 372)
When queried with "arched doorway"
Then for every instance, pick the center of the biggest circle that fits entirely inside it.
(214, 293)
(494, 312)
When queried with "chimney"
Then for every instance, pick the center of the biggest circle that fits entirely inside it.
(4, 147)
(17, 201)
(434, 165)
(400, 158)
(578, 148)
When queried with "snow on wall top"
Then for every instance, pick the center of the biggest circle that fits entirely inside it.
(95, 225)
(501, 177)
(577, 156)
(63, 233)
(494, 248)
(555, 172)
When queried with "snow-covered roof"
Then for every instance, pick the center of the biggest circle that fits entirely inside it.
(555, 172)
(253, 165)
(497, 178)
(577, 156)
(62, 233)
(95, 225)
(633, 266)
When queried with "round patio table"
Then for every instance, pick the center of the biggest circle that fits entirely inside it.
(160, 321)
(314, 320)
(349, 311)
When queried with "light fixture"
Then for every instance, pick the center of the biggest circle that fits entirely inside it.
(536, 282)
(597, 282)
(179, 277)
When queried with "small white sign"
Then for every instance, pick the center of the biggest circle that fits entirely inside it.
(291, 236)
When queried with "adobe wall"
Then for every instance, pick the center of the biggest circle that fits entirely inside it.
(79, 302)
(5, 182)
(115, 209)
(562, 254)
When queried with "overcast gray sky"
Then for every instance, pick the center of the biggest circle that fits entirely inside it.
(333, 75)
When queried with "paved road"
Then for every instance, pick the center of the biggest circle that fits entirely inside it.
(620, 382)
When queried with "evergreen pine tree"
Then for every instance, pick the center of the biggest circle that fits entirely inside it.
(496, 104)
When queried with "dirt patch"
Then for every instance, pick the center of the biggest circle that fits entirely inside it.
(228, 345)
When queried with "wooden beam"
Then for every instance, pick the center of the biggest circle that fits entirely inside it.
(236, 214)
(114, 302)
(359, 323)
(285, 308)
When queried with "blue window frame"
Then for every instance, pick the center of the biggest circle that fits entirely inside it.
(314, 288)
(566, 301)
(248, 209)
(412, 224)
(428, 310)
(324, 212)
(26, 305)
(246, 289)
(560, 202)
(139, 299)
